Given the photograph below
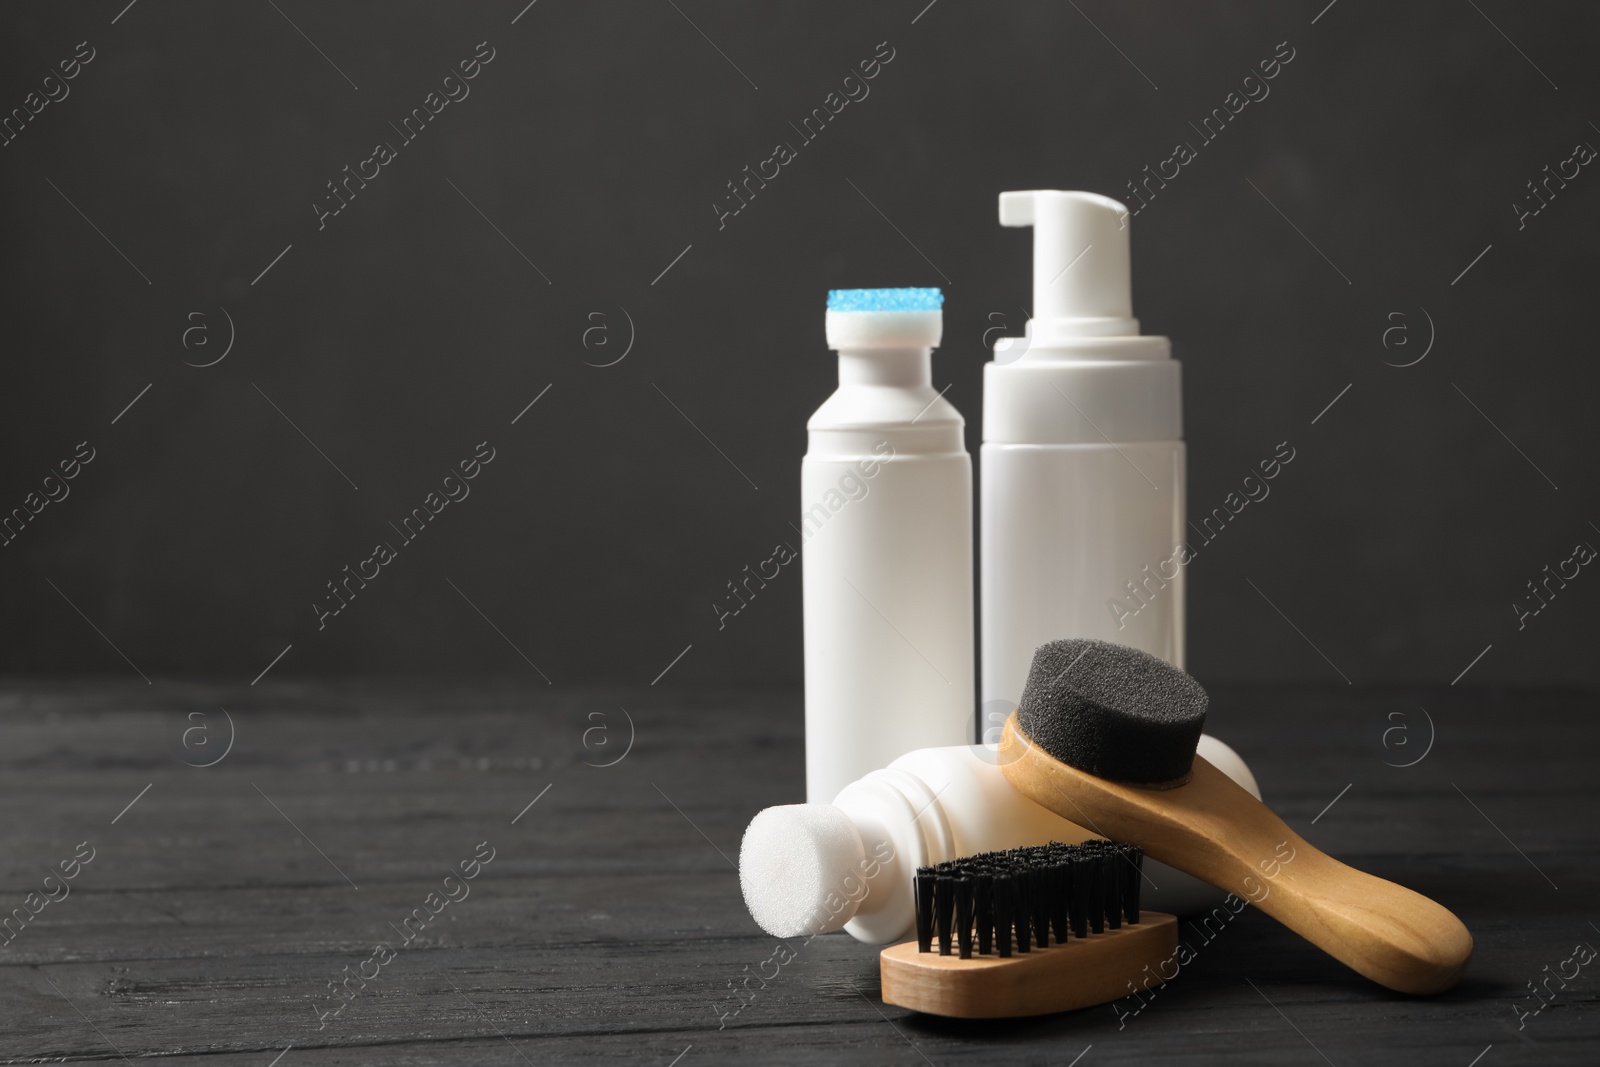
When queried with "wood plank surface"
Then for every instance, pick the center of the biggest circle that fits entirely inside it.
(609, 927)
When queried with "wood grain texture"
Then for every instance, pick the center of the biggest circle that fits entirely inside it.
(609, 928)
(1210, 827)
(1079, 973)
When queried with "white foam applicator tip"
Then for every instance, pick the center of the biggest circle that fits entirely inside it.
(793, 858)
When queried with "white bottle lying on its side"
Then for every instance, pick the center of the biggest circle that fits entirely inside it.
(813, 868)
(886, 528)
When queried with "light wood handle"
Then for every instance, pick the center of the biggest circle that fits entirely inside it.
(1068, 975)
(1215, 830)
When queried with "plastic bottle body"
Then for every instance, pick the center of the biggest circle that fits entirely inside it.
(886, 528)
(1083, 460)
(938, 804)
(1078, 540)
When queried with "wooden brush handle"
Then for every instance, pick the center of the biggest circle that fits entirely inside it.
(1064, 977)
(1215, 830)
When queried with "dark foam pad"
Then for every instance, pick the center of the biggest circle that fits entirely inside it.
(1112, 711)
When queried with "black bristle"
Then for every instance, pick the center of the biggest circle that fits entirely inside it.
(1029, 886)
(1017, 900)
(984, 907)
(964, 890)
(924, 886)
(1021, 914)
(1078, 869)
(1022, 902)
(1116, 868)
(942, 904)
(1002, 915)
(1040, 879)
(1059, 920)
(1041, 903)
(1097, 893)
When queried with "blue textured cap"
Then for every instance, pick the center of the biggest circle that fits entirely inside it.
(885, 300)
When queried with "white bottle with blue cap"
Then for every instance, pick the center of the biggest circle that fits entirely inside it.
(886, 526)
(1082, 470)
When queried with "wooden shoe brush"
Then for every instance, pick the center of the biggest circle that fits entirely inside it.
(1105, 736)
(1028, 931)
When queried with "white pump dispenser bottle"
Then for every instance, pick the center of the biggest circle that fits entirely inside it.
(1082, 483)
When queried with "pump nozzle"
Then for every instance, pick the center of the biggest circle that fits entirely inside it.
(1081, 277)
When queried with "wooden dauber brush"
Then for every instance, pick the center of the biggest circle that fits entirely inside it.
(1105, 736)
(1028, 931)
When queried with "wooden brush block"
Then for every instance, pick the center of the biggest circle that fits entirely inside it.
(1080, 973)
(1215, 830)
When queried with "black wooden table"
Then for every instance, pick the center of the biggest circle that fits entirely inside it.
(210, 914)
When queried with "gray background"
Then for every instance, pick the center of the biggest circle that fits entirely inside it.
(596, 141)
